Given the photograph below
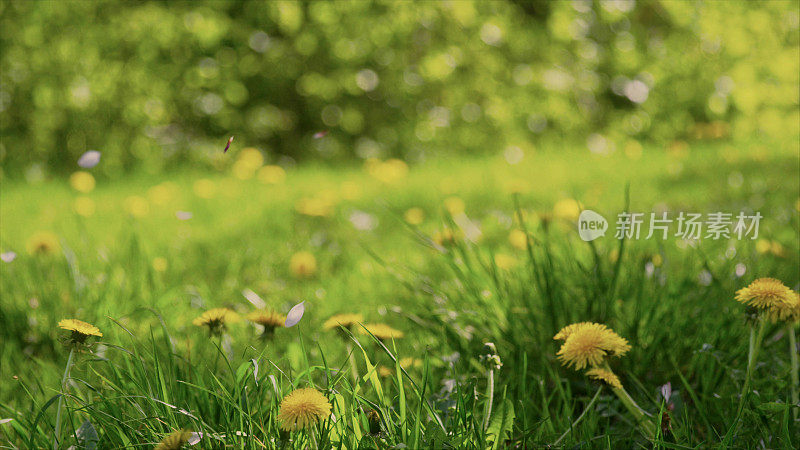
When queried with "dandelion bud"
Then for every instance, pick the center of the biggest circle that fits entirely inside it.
(374, 422)
(489, 357)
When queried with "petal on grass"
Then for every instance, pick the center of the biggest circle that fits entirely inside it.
(666, 391)
(183, 215)
(7, 257)
(295, 314)
(194, 438)
(255, 370)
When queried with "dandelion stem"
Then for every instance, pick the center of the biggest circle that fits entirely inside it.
(647, 426)
(752, 353)
(795, 366)
(577, 421)
(61, 399)
(642, 417)
(490, 397)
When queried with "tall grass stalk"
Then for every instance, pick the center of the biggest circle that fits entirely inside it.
(352, 361)
(578, 420)
(57, 437)
(312, 438)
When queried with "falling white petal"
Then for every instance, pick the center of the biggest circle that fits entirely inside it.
(363, 221)
(89, 159)
(7, 257)
(183, 215)
(254, 299)
(295, 314)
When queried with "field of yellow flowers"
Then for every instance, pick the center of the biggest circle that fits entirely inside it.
(445, 304)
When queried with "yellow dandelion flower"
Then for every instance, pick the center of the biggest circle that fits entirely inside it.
(588, 344)
(43, 243)
(406, 363)
(777, 249)
(633, 150)
(251, 156)
(83, 206)
(763, 246)
(516, 186)
(160, 264)
(80, 330)
(409, 362)
(389, 171)
(344, 320)
(271, 174)
(414, 216)
(350, 190)
(243, 169)
(204, 188)
(787, 312)
(315, 206)
(447, 236)
(303, 265)
(658, 260)
(766, 294)
(518, 239)
(268, 319)
(137, 206)
(505, 262)
(454, 205)
(606, 376)
(82, 182)
(175, 440)
(303, 408)
(162, 194)
(567, 209)
(216, 319)
(382, 331)
(565, 332)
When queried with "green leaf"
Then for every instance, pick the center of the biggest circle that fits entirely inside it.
(501, 423)
(774, 406)
(87, 435)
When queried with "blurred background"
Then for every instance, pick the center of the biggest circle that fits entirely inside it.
(156, 86)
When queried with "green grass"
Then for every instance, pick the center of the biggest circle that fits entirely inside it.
(153, 371)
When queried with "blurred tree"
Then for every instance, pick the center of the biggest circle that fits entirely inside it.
(154, 84)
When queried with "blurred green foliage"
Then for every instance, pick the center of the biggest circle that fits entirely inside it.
(155, 85)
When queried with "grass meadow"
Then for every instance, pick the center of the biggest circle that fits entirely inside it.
(451, 254)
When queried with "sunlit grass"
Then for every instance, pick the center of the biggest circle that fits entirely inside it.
(155, 253)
